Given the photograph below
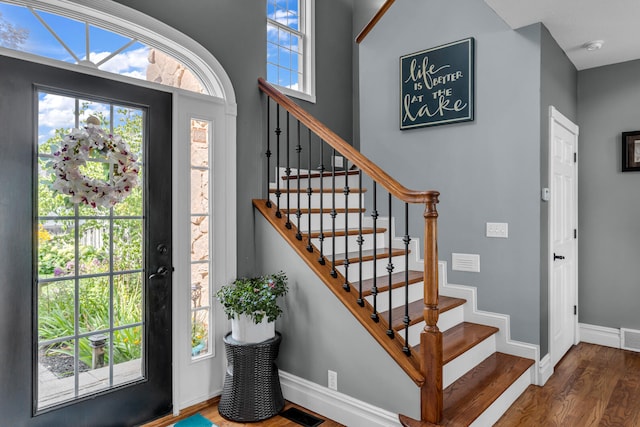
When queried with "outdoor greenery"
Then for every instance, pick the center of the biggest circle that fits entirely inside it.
(255, 297)
(58, 230)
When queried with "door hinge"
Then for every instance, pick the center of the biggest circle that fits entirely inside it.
(575, 157)
(575, 310)
(575, 233)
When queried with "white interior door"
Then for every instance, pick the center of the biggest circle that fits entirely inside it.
(563, 225)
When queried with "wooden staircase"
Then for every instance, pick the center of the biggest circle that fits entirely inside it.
(380, 278)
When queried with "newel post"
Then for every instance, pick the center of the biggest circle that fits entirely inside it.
(431, 337)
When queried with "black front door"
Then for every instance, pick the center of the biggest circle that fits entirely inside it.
(85, 292)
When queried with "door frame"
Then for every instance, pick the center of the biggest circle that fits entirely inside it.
(122, 19)
(222, 196)
(558, 119)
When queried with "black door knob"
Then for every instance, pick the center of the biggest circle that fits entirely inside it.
(161, 272)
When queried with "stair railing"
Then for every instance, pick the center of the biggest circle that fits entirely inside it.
(431, 354)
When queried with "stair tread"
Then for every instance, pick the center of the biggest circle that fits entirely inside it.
(305, 211)
(367, 255)
(460, 338)
(350, 232)
(469, 396)
(416, 311)
(397, 280)
(317, 190)
(317, 175)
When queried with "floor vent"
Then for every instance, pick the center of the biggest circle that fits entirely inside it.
(630, 339)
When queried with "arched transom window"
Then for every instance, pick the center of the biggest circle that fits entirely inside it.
(41, 31)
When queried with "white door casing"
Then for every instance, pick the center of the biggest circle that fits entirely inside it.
(563, 226)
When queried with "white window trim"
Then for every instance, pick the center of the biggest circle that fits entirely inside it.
(307, 25)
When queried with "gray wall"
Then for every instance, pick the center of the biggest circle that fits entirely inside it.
(558, 87)
(487, 170)
(363, 11)
(235, 33)
(609, 200)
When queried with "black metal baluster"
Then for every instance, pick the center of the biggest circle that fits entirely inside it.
(374, 289)
(360, 240)
(278, 132)
(390, 272)
(268, 153)
(346, 191)
(334, 273)
(287, 172)
(309, 193)
(321, 236)
(406, 349)
(298, 211)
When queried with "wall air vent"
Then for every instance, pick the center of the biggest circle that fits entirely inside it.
(465, 262)
(630, 339)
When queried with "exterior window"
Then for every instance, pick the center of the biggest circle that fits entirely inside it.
(43, 33)
(201, 131)
(91, 325)
(290, 53)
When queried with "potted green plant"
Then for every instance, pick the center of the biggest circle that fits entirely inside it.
(251, 304)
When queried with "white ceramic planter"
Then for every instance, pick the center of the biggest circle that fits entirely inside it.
(244, 330)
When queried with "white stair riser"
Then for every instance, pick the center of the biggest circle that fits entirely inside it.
(352, 243)
(468, 360)
(367, 268)
(327, 202)
(327, 222)
(416, 292)
(327, 181)
(447, 320)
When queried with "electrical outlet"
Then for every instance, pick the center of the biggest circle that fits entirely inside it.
(333, 380)
(498, 229)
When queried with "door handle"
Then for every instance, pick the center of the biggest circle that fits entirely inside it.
(555, 257)
(161, 272)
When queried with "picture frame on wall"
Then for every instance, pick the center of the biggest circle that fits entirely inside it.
(437, 85)
(631, 151)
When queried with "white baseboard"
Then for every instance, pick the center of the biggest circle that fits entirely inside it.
(332, 404)
(608, 337)
(545, 370)
(196, 400)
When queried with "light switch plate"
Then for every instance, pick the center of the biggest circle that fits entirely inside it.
(498, 229)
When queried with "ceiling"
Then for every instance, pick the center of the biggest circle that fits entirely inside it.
(572, 23)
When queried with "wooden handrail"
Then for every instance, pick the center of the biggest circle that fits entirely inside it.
(345, 149)
(374, 21)
(431, 363)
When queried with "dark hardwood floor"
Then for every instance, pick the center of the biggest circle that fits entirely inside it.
(591, 386)
(210, 410)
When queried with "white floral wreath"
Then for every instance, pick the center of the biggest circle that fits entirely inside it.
(74, 152)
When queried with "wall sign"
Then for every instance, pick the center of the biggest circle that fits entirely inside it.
(436, 85)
